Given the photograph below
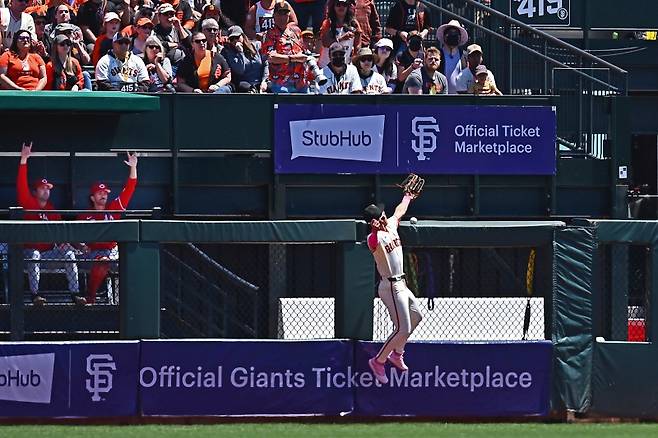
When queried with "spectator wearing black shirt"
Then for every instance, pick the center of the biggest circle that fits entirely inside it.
(90, 19)
(411, 58)
(171, 33)
(404, 17)
(243, 57)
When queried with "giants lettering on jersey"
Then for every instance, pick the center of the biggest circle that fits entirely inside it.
(337, 88)
(126, 70)
(389, 247)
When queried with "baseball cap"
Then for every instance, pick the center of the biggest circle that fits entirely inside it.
(336, 47)
(281, 6)
(473, 48)
(372, 212)
(209, 23)
(209, 7)
(384, 42)
(59, 39)
(166, 7)
(98, 187)
(481, 69)
(111, 16)
(234, 31)
(121, 36)
(43, 182)
(144, 20)
(64, 27)
(308, 32)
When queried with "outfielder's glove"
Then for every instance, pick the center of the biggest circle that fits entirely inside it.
(412, 185)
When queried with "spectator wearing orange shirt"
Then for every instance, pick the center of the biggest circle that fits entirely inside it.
(103, 44)
(20, 69)
(203, 71)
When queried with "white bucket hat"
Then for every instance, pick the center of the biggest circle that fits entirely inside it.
(463, 35)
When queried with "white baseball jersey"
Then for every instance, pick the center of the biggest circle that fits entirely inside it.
(125, 74)
(374, 84)
(347, 83)
(387, 250)
(264, 18)
(10, 25)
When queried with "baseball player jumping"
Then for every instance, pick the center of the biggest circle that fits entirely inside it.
(403, 307)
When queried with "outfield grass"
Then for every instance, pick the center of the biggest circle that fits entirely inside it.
(375, 430)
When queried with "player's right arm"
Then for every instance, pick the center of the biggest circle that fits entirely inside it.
(23, 195)
(402, 207)
(372, 241)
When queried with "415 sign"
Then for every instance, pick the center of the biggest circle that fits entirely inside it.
(541, 12)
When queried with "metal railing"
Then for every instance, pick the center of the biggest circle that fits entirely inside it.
(202, 298)
(528, 61)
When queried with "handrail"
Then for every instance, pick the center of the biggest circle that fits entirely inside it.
(521, 46)
(239, 281)
(17, 211)
(546, 35)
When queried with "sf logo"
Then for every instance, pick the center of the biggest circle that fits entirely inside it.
(425, 130)
(99, 367)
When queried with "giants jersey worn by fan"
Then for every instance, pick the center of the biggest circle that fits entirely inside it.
(9, 25)
(347, 83)
(387, 250)
(264, 18)
(125, 74)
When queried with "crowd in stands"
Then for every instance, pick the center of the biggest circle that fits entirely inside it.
(236, 46)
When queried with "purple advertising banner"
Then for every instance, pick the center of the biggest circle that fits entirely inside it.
(425, 139)
(460, 380)
(243, 377)
(95, 379)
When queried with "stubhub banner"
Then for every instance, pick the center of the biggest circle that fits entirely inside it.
(81, 379)
(425, 139)
(271, 378)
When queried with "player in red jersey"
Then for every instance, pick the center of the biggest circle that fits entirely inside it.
(39, 199)
(106, 251)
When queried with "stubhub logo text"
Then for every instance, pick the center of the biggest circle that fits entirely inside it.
(27, 378)
(346, 138)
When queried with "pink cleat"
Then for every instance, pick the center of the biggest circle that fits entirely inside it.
(397, 360)
(378, 370)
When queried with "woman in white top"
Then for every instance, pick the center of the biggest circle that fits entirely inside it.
(371, 81)
(385, 63)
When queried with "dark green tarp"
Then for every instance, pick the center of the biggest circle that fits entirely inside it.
(572, 317)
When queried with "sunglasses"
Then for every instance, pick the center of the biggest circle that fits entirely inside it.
(64, 43)
(203, 41)
(211, 30)
(154, 47)
(24, 38)
(384, 49)
(366, 59)
(123, 42)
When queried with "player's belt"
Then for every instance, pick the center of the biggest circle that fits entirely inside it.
(397, 278)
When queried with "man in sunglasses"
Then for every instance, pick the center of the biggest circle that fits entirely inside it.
(13, 19)
(120, 69)
(173, 36)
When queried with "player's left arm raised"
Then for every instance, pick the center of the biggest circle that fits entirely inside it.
(411, 187)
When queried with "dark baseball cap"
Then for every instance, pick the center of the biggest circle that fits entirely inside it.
(372, 212)
(281, 6)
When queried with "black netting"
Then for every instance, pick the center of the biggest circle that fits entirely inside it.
(626, 285)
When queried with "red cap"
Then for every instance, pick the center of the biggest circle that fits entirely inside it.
(41, 183)
(99, 187)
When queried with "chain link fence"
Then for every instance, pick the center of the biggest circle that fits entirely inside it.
(476, 293)
(626, 286)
